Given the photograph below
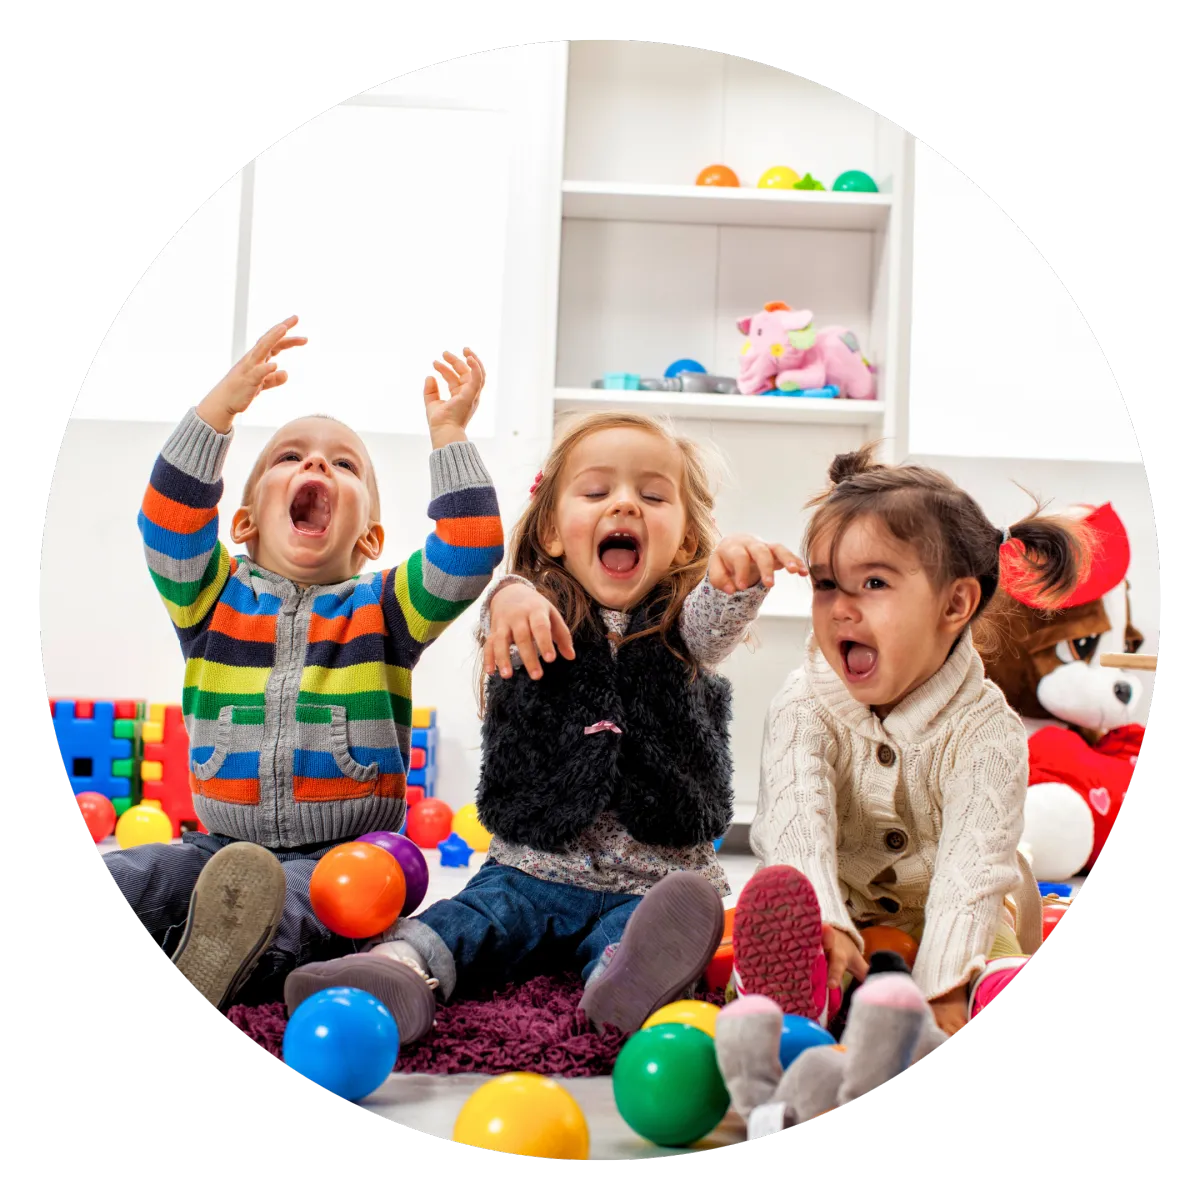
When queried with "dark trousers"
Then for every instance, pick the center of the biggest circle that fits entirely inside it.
(158, 879)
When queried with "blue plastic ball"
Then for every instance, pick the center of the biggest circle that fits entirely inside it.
(800, 1034)
(344, 1039)
(684, 364)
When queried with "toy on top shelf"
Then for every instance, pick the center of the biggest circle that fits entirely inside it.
(620, 381)
(454, 851)
(165, 769)
(854, 181)
(683, 366)
(717, 175)
(97, 744)
(784, 350)
(778, 177)
(808, 184)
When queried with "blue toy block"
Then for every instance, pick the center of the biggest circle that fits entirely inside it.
(455, 852)
(89, 749)
(425, 778)
(427, 740)
(822, 393)
(619, 381)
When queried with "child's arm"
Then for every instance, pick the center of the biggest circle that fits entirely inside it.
(983, 795)
(178, 519)
(796, 819)
(721, 606)
(443, 578)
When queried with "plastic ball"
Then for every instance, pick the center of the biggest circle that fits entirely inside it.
(99, 814)
(523, 1113)
(142, 824)
(717, 175)
(800, 1034)
(344, 1039)
(885, 937)
(854, 181)
(779, 177)
(466, 825)
(667, 1085)
(1051, 915)
(1058, 830)
(697, 1013)
(357, 890)
(429, 822)
(684, 364)
(412, 863)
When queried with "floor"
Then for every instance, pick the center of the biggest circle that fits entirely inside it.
(430, 1103)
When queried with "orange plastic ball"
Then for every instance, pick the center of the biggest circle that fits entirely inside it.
(884, 937)
(718, 175)
(357, 890)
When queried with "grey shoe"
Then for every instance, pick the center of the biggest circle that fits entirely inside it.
(235, 909)
(401, 987)
(669, 940)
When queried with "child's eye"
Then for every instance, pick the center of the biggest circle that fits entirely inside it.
(347, 464)
(653, 499)
(823, 585)
(288, 456)
(874, 584)
(595, 495)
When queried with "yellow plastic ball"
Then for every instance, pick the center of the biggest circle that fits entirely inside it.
(466, 825)
(778, 177)
(143, 823)
(524, 1113)
(697, 1013)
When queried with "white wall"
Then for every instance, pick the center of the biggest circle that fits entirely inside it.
(1003, 363)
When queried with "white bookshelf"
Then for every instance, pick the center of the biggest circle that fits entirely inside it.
(653, 268)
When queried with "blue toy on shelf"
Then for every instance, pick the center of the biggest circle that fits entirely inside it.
(822, 393)
(95, 760)
(455, 852)
(620, 381)
(684, 364)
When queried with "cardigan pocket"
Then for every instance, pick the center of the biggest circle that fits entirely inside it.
(227, 768)
(323, 767)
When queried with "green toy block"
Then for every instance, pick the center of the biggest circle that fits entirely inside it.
(122, 804)
(125, 729)
(122, 768)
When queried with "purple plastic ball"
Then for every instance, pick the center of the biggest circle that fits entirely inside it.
(412, 863)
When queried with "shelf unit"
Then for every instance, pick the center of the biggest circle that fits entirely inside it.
(653, 268)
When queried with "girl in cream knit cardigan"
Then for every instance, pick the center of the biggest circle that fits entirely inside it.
(893, 773)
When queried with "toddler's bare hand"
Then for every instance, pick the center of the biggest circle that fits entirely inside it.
(742, 560)
(448, 418)
(254, 372)
(842, 955)
(522, 616)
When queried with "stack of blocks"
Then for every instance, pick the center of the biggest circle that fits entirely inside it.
(129, 752)
(422, 766)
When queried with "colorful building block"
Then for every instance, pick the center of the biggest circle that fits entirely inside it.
(96, 760)
(164, 772)
(424, 718)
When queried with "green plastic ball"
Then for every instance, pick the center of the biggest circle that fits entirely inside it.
(667, 1085)
(854, 181)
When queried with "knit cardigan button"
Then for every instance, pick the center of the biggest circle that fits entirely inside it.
(886, 755)
(896, 839)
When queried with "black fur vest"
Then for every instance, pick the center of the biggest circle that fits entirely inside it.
(668, 775)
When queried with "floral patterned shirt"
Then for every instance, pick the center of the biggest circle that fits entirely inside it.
(605, 857)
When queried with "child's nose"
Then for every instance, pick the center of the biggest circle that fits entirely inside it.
(625, 503)
(315, 462)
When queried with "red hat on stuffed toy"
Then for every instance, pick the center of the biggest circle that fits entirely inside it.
(1109, 565)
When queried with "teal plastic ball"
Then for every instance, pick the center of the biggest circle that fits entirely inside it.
(854, 181)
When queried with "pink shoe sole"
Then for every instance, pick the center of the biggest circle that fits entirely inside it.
(777, 949)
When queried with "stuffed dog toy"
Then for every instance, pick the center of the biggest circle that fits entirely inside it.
(1083, 746)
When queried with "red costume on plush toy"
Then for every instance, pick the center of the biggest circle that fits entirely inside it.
(1047, 664)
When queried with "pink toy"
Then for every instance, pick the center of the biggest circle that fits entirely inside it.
(784, 351)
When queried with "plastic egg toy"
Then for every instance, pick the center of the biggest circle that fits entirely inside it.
(523, 1113)
(142, 824)
(357, 890)
(697, 1013)
(778, 177)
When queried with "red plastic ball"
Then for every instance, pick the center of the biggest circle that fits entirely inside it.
(429, 823)
(99, 813)
(1051, 915)
(357, 890)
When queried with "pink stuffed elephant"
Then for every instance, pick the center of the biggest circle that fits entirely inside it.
(784, 351)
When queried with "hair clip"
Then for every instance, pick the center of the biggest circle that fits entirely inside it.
(1005, 535)
(536, 484)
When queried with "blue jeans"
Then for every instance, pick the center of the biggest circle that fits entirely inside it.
(504, 916)
(157, 881)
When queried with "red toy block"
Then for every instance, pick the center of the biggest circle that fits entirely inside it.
(416, 759)
(165, 742)
(413, 794)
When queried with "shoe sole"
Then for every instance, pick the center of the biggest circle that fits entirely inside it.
(777, 940)
(406, 995)
(669, 940)
(235, 909)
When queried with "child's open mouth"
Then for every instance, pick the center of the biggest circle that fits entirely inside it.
(858, 661)
(620, 554)
(311, 510)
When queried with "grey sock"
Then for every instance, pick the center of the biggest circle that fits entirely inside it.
(748, 1033)
(810, 1086)
(887, 1018)
(931, 1037)
(404, 952)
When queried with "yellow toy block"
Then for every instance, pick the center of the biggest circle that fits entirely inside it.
(422, 718)
(152, 772)
(152, 731)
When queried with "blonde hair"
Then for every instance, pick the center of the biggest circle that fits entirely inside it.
(528, 557)
(260, 464)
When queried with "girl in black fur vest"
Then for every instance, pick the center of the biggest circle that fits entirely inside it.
(606, 772)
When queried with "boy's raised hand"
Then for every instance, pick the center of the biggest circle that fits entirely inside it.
(254, 372)
(448, 418)
(742, 560)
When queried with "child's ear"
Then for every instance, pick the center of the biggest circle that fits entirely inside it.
(243, 528)
(552, 543)
(370, 543)
(687, 548)
(962, 603)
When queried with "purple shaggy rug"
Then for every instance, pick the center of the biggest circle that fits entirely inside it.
(530, 1026)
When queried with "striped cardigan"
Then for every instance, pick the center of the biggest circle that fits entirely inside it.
(298, 700)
